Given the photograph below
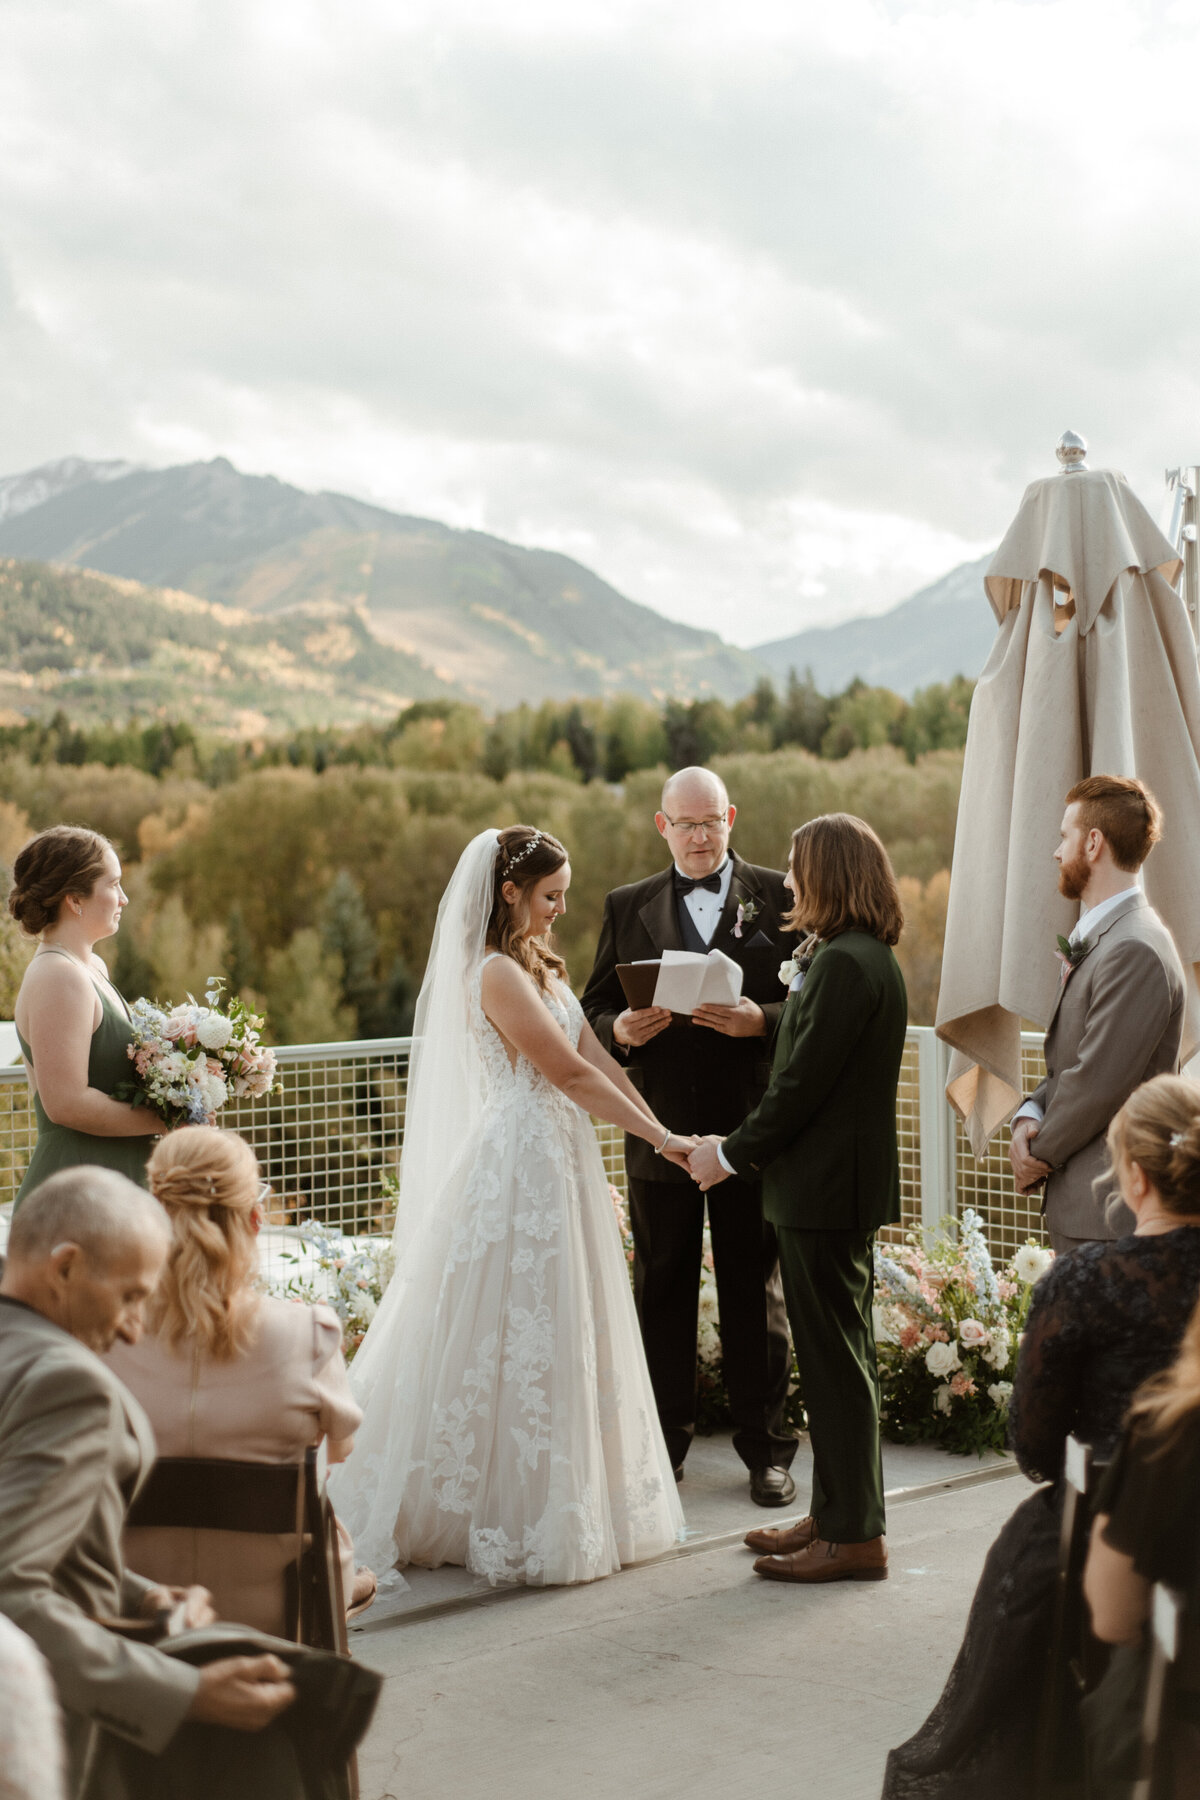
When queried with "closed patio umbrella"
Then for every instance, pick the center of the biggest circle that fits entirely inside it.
(1093, 672)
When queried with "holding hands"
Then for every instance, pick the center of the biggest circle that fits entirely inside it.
(705, 1166)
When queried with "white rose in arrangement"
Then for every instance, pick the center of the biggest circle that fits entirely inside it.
(943, 1399)
(941, 1360)
(998, 1348)
(1000, 1393)
(214, 1032)
(972, 1334)
(1031, 1262)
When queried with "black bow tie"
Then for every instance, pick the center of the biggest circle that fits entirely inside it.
(685, 885)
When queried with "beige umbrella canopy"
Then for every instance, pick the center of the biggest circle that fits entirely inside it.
(1093, 672)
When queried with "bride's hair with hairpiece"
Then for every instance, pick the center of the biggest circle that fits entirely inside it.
(208, 1182)
(524, 857)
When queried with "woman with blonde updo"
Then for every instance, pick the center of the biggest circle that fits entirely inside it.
(225, 1371)
(72, 1024)
(1105, 1318)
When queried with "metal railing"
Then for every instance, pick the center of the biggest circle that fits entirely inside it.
(330, 1141)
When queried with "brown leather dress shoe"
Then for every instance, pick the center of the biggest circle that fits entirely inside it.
(822, 1561)
(780, 1540)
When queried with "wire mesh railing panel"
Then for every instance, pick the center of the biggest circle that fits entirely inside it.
(18, 1130)
(329, 1142)
(1010, 1219)
(908, 1134)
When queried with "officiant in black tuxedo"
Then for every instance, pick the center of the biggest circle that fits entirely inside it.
(703, 1075)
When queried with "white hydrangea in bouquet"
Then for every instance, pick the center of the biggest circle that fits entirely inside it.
(191, 1059)
(948, 1329)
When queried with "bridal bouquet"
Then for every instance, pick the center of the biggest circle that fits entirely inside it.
(947, 1329)
(192, 1059)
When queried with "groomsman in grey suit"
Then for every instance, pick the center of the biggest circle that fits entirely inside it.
(84, 1254)
(1118, 1020)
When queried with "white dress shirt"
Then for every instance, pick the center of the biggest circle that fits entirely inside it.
(704, 904)
(1084, 926)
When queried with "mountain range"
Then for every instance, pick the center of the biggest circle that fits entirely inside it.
(328, 607)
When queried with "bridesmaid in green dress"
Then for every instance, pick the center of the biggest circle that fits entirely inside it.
(73, 1026)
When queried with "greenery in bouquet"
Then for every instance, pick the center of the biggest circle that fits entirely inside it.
(947, 1329)
(192, 1059)
(348, 1274)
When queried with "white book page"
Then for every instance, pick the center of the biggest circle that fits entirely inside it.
(687, 980)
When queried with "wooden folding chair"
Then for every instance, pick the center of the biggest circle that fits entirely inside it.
(1076, 1659)
(273, 1499)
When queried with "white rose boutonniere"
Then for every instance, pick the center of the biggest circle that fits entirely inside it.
(788, 971)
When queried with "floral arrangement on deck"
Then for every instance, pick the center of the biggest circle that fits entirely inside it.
(191, 1060)
(948, 1329)
(348, 1274)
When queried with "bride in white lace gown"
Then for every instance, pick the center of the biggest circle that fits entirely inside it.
(509, 1420)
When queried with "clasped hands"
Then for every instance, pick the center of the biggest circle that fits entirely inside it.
(698, 1155)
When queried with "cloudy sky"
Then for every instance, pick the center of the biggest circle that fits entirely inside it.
(767, 311)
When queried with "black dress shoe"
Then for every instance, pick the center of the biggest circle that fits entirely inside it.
(770, 1486)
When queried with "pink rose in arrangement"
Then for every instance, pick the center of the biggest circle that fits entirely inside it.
(972, 1334)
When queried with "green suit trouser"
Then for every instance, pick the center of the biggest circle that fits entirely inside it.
(829, 1286)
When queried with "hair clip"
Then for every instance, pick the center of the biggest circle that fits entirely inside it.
(1176, 1139)
(523, 852)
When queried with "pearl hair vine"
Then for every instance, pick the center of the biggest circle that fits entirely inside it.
(512, 861)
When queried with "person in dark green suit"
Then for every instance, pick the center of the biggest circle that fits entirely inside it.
(823, 1141)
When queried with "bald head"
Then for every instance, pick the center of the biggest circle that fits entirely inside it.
(104, 1213)
(85, 1250)
(694, 793)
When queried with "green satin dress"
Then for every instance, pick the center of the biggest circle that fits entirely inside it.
(60, 1147)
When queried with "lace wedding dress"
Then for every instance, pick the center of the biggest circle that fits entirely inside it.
(509, 1420)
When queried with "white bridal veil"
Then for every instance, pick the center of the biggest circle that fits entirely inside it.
(445, 1077)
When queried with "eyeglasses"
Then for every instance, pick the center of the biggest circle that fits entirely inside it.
(689, 827)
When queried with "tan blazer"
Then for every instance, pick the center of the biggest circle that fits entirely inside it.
(1118, 1022)
(74, 1449)
(288, 1390)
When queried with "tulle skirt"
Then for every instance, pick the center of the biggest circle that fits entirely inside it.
(509, 1423)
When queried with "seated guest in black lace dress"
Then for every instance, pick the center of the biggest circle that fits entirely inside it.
(1147, 1529)
(1104, 1319)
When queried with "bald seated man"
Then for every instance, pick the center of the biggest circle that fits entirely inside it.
(84, 1253)
(715, 1065)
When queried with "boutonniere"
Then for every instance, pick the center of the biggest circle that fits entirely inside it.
(1070, 956)
(748, 910)
(800, 961)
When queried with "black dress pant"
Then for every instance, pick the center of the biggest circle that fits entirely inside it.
(667, 1219)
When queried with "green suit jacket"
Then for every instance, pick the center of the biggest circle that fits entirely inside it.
(823, 1136)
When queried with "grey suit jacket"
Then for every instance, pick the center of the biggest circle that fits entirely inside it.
(75, 1447)
(1118, 1022)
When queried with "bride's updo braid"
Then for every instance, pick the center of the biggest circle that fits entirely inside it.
(524, 856)
(208, 1182)
(1159, 1129)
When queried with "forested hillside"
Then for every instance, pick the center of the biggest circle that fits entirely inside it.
(308, 869)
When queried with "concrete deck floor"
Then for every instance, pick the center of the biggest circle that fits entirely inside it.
(690, 1674)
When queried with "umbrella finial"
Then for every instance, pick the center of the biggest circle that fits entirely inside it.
(1071, 451)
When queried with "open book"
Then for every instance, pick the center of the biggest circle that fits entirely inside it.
(682, 980)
